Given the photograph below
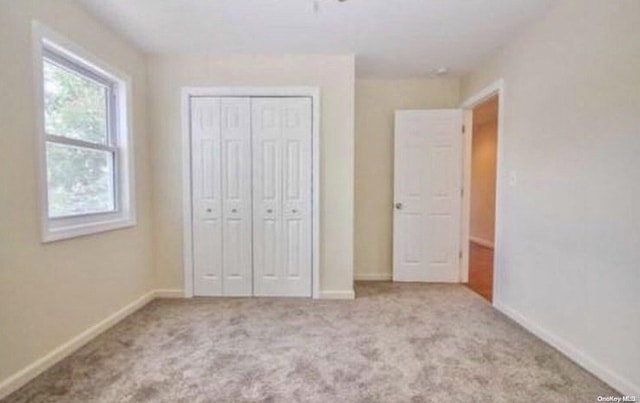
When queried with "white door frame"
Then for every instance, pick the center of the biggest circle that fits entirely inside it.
(187, 214)
(495, 88)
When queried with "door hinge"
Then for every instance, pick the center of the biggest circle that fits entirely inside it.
(460, 254)
(464, 128)
(461, 192)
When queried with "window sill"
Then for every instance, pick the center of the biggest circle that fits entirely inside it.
(62, 232)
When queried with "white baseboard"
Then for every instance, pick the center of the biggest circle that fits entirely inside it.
(337, 294)
(20, 378)
(168, 293)
(372, 276)
(616, 381)
(481, 242)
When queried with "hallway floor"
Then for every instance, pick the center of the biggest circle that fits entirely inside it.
(481, 270)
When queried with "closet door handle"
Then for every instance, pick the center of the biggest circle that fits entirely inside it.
(269, 210)
(234, 210)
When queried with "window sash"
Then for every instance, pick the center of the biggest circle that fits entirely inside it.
(111, 146)
(54, 138)
(115, 156)
(64, 62)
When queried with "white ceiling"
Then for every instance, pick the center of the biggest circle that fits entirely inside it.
(390, 38)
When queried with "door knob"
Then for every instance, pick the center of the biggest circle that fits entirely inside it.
(269, 211)
(234, 210)
(398, 206)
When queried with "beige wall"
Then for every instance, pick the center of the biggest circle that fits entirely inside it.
(50, 293)
(569, 238)
(376, 101)
(334, 74)
(483, 171)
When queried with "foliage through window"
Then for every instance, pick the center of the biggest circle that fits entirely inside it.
(81, 143)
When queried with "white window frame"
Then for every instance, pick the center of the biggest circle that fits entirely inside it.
(51, 45)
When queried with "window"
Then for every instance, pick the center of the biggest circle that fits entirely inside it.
(85, 158)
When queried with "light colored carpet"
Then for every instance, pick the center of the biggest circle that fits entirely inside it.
(394, 343)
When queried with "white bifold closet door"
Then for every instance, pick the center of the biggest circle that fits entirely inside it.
(281, 136)
(221, 175)
(251, 192)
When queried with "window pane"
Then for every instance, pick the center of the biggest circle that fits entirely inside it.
(80, 180)
(74, 106)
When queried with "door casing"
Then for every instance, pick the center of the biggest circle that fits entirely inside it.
(187, 213)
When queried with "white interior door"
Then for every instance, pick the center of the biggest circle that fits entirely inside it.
(427, 193)
(281, 135)
(221, 174)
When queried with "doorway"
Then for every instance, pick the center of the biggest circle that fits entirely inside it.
(482, 203)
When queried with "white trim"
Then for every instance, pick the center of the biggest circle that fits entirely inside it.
(59, 229)
(467, 134)
(69, 231)
(80, 143)
(337, 294)
(495, 88)
(372, 276)
(187, 217)
(20, 378)
(482, 242)
(187, 244)
(615, 380)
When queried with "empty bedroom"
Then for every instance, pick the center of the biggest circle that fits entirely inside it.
(319, 200)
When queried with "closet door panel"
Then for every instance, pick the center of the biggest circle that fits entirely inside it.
(268, 184)
(267, 194)
(297, 177)
(282, 203)
(235, 133)
(207, 208)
